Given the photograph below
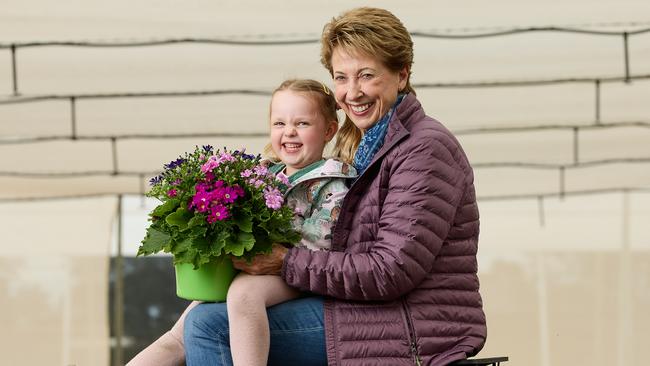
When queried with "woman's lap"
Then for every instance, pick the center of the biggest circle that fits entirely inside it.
(297, 333)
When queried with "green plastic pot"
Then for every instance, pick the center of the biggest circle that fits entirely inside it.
(209, 282)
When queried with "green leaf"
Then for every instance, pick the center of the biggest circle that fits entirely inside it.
(219, 242)
(198, 231)
(196, 220)
(239, 244)
(180, 218)
(244, 223)
(201, 244)
(165, 208)
(182, 246)
(188, 256)
(154, 241)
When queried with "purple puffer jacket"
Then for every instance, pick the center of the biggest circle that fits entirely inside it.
(402, 270)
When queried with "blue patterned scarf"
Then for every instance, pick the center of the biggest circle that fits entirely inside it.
(373, 139)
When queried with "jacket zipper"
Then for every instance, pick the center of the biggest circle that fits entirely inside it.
(411, 329)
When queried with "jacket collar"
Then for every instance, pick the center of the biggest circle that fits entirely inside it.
(397, 129)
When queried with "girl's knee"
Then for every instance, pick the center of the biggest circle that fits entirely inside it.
(242, 300)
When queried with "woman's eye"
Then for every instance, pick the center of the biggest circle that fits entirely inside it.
(366, 76)
(339, 78)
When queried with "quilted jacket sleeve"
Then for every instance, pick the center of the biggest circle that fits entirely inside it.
(425, 185)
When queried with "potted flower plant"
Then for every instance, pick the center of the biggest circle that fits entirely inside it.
(215, 204)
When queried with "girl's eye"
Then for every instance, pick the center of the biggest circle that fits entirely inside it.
(303, 123)
(278, 123)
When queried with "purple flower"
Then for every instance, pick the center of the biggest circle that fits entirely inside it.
(172, 192)
(201, 200)
(260, 170)
(257, 183)
(273, 198)
(207, 148)
(230, 194)
(224, 156)
(218, 213)
(175, 163)
(282, 178)
(155, 180)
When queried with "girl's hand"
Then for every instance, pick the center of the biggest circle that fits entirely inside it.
(263, 264)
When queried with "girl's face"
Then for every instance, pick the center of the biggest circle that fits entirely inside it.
(364, 88)
(299, 131)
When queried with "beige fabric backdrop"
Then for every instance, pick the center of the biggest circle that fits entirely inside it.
(564, 279)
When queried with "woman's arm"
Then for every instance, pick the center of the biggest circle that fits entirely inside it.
(316, 228)
(424, 189)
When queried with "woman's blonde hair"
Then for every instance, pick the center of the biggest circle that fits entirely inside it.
(370, 31)
(322, 96)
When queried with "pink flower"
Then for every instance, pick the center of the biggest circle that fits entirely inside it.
(246, 173)
(282, 178)
(260, 170)
(257, 183)
(218, 213)
(209, 165)
(230, 194)
(172, 192)
(224, 156)
(273, 198)
(201, 200)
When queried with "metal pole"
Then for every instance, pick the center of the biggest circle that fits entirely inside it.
(118, 298)
(624, 288)
(626, 52)
(14, 73)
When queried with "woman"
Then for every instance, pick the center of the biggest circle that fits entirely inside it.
(399, 286)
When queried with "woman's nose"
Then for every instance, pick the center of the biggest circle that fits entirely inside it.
(354, 90)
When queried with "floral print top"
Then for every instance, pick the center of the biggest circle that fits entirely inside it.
(315, 194)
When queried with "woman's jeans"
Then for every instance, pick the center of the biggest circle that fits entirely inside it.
(297, 334)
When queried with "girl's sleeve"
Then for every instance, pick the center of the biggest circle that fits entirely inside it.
(424, 190)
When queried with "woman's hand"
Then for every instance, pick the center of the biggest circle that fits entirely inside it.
(263, 264)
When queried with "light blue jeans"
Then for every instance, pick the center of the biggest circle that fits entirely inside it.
(297, 334)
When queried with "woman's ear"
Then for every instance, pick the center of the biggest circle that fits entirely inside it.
(332, 127)
(403, 76)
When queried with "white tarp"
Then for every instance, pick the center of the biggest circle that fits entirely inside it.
(542, 114)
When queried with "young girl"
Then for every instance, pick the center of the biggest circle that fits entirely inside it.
(303, 120)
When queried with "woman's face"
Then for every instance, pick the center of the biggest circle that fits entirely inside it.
(364, 88)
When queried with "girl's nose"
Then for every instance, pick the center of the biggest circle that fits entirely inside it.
(290, 130)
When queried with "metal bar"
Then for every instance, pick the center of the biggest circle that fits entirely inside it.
(118, 298)
(576, 146)
(627, 57)
(73, 117)
(114, 148)
(14, 72)
(598, 101)
(540, 205)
